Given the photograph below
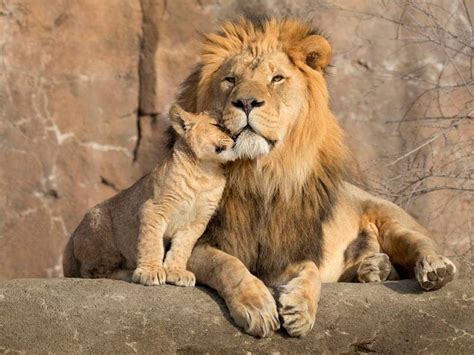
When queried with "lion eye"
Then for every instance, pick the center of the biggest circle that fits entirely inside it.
(230, 79)
(277, 78)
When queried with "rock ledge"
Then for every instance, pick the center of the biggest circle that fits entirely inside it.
(103, 316)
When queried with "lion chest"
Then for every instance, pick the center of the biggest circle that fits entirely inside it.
(268, 235)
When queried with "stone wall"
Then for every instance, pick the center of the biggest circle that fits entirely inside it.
(85, 87)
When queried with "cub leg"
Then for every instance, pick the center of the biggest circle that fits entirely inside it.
(92, 251)
(250, 303)
(298, 297)
(178, 255)
(150, 249)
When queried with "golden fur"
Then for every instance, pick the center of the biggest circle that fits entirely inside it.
(287, 218)
(174, 204)
(186, 192)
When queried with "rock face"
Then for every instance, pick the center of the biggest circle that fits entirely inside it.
(68, 103)
(103, 316)
(85, 87)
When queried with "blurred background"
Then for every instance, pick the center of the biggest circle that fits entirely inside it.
(85, 86)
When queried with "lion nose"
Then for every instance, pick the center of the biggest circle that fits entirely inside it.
(248, 104)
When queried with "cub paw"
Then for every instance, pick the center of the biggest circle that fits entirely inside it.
(149, 276)
(297, 310)
(434, 271)
(253, 308)
(180, 277)
(375, 268)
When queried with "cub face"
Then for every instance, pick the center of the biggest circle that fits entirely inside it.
(204, 135)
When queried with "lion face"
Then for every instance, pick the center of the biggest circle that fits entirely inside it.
(261, 76)
(260, 97)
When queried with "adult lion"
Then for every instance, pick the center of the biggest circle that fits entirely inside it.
(287, 219)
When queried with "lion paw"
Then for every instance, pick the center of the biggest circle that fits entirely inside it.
(149, 276)
(253, 308)
(434, 271)
(375, 268)
(180, 277)
(297, 310)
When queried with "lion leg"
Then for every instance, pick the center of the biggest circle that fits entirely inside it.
(150, 249)
(249, 301)
(410, 247)
(376, 267)
(298, 297)
(364, 260)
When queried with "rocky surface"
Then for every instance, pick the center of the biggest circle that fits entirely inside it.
(68, 103)
(85, 87)
(102, 316)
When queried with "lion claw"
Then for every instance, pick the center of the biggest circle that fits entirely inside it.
(297, 311)
(374, 268)
(253, 308)
(434, 271)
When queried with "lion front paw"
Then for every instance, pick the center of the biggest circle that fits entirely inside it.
(253, 308)
(180, 277)
(297, 308)
(149, 276)
(374, 268)
(434, 271)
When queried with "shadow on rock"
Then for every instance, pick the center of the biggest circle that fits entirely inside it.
(405, 287)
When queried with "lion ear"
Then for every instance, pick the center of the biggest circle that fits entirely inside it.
(315, 51)
(181, 121)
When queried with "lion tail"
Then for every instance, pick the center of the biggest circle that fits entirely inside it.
(71, 265)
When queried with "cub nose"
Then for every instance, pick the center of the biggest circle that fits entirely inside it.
(247, 104)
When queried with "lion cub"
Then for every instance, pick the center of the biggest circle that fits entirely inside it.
(185, 195)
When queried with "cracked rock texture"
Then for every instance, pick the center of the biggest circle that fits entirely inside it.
(85, 87)
(104, 316)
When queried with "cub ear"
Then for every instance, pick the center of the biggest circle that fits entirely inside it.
(181, 121)
(315, 51)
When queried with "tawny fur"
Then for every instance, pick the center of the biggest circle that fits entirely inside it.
(185, 195)
(287, 218)
(175, 203)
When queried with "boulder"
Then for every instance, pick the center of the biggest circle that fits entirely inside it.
(104, 316)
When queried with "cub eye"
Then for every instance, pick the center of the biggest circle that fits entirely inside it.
(230, 79)
(277, 78)
(220, 149)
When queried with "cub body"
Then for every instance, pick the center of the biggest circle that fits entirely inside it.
(171, 205)
(186, 193)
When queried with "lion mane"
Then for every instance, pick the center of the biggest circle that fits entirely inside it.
(299, 183)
